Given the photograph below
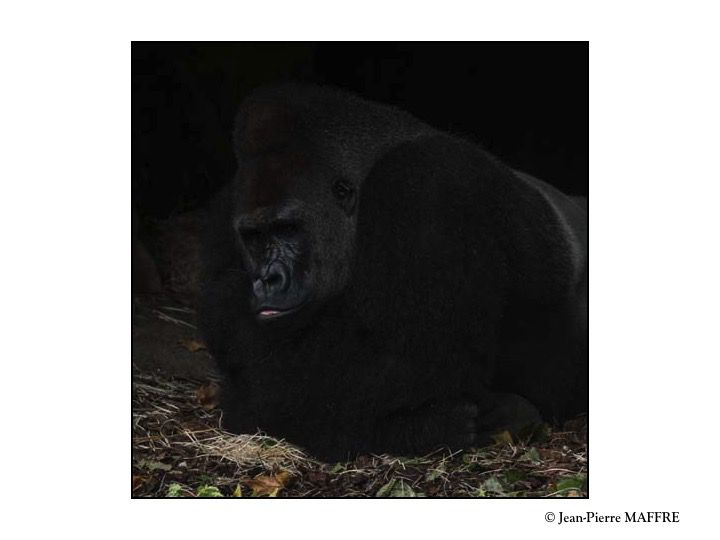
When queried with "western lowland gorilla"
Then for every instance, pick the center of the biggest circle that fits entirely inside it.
(372, 284)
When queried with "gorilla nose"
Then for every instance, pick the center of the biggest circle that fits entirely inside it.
(276, 280)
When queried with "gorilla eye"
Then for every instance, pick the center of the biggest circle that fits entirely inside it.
(342, 190)
(250, 235)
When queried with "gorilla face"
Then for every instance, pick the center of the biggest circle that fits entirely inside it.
(275, 251)
(295, 229)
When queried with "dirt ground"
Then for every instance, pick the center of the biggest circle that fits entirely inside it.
(181, 450)
(163, 331)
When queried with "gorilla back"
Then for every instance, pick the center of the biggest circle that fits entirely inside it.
(374, 285)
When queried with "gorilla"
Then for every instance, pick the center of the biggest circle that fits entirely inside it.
(372, 284)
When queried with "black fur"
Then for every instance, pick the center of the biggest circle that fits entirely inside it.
(443, 294)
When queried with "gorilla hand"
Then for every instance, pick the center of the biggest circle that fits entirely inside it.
(457, 425)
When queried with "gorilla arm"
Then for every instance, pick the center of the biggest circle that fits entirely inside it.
(454, 240)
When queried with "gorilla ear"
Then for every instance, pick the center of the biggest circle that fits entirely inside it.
(263, 126)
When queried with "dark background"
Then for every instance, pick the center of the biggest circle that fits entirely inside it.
(525, 102)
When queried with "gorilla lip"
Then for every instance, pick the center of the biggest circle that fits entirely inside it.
(273, 313)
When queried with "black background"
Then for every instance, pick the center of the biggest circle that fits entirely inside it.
(525, 102)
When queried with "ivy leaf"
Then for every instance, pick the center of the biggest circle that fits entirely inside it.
(514, 475)
(402, 489)
(398, 488)
(385, 490)
(570, 483)
(532, 455)
(493, 485)
(175, 490)
(208, 491)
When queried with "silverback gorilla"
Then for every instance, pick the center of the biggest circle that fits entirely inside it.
(375, 285)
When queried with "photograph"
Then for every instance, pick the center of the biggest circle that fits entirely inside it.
(360, 269)
(331, 263)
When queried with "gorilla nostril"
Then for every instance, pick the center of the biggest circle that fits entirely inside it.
(276, 279)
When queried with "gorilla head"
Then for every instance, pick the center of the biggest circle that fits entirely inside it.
(294, 213)
(296, 195)
(372, 284)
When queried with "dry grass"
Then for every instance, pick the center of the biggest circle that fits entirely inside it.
(179, 448)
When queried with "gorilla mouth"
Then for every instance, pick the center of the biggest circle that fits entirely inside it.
(269, 313)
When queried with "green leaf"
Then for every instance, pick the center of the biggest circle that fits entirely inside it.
(398, 488)
(401, 489)
(493, 485)
(385, 490)
(175, 490)
(339, 467)
(205, 479)
(532, 455)
(514, 475)
(238, 491)
(570, 482)
(208, 491)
